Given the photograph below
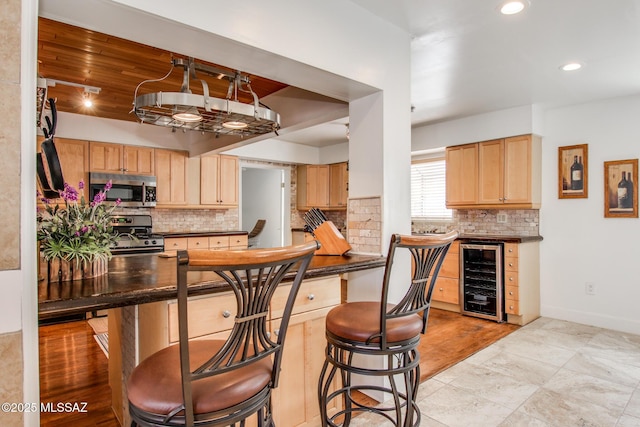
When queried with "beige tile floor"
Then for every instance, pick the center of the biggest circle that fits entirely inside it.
(547, 373)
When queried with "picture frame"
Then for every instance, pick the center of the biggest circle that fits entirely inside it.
(573, 176)
(620, 191)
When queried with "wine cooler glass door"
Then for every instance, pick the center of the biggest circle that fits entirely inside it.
(481, 291)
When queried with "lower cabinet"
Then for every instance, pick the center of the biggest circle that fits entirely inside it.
(446, 292)
(522, 282)
(214, 242)
(295, 401)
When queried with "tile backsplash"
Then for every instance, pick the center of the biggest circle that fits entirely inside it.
(518, 222)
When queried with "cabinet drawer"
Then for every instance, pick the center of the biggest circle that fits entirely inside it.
(510, 264)
(197, 242)
(175, 244)
(313, 294)
(512, 307)
(238, 242)
(218, 242)
(450, 266)
(446, 290)
(207, 315)
(511, 293)
(511, 278)
(510, 249)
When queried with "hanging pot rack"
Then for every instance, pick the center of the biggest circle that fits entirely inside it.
(205, 113)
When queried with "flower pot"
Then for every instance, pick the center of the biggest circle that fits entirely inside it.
(61, 270)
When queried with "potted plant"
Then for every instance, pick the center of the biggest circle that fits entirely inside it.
(75, 238)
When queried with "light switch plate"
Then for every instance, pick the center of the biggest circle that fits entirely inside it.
(502, 218)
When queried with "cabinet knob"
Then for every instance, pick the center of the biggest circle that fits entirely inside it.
(175, 244)
(510, 250)
(500, 199)
(197, 243)
(441, 289)
(510, 264)
(510, 292)
(511, 279)
(226, 314)
(311, 297)
(510, 307)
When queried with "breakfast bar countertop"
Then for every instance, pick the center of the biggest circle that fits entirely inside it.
(169, 234)
(141, 279)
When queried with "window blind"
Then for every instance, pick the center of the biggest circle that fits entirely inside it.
(428, 190)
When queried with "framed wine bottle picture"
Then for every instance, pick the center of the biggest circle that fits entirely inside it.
(621, 189)
(572, 172)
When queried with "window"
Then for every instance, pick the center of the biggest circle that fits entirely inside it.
(428, 190)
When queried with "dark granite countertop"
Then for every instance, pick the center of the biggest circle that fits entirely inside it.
(201, 233)
(141, 279)
(499, 238)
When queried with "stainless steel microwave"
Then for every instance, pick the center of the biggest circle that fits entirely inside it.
(132, 190)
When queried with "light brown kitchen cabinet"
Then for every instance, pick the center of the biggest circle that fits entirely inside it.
(171, 176)
(212, 242)
(338, 184)
(447, 287)
(522, 282)
(118, 158)
(219, 180)
(313, 186)
(506, 171)
(508, 174)
(462, 175)
(73, 155)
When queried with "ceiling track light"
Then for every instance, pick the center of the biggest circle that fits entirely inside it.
(205, 113)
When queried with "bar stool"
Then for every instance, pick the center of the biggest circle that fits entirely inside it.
(385, 330)
(221, 382)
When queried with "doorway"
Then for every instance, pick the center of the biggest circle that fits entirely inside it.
(265, 194)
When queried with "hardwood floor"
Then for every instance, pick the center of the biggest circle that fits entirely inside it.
(74, 369)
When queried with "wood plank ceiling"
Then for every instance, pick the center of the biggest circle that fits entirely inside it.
(117, 66)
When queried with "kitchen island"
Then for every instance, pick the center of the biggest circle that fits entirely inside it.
(139, 292)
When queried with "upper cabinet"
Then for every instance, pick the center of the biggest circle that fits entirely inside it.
(73, 155)
(219, 180)
(338, 184)
(171, 176)
(117, 158)
(322, 186)
(502, 173)
(462, 175)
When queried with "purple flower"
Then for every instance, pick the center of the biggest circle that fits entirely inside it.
(77, 234)
(84, 229)
(81, 185)
(107, 186)
(99, 198)
(118, 201)
(69, 194)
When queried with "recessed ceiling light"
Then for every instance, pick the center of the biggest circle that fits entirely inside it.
(571, 66)
(513, 6)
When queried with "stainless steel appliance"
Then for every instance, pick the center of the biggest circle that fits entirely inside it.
(136, 236)
(132, 190)
(481, 280)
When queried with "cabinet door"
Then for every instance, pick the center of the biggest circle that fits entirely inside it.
(171, 176)
(517, 169)
(295, 400)
(74, 163)
(338, 185)
(209, 177)
(228, 182)
(105, 157)
(318, 186)
(462, 175)
(138, 160)
(491, 172)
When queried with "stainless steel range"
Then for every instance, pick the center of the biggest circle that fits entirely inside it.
(143, 240)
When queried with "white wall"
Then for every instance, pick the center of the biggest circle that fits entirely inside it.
(580, 245)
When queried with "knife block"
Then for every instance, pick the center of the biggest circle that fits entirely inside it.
(331, 240)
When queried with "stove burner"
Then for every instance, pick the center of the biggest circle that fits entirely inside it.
(135, 235)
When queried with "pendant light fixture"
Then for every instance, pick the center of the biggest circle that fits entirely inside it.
(204, 113)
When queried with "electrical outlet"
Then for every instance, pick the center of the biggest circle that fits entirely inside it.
(502, 218)
(590, 288)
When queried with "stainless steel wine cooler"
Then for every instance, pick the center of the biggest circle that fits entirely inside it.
(481, 284)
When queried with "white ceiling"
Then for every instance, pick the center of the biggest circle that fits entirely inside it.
(468, 59)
